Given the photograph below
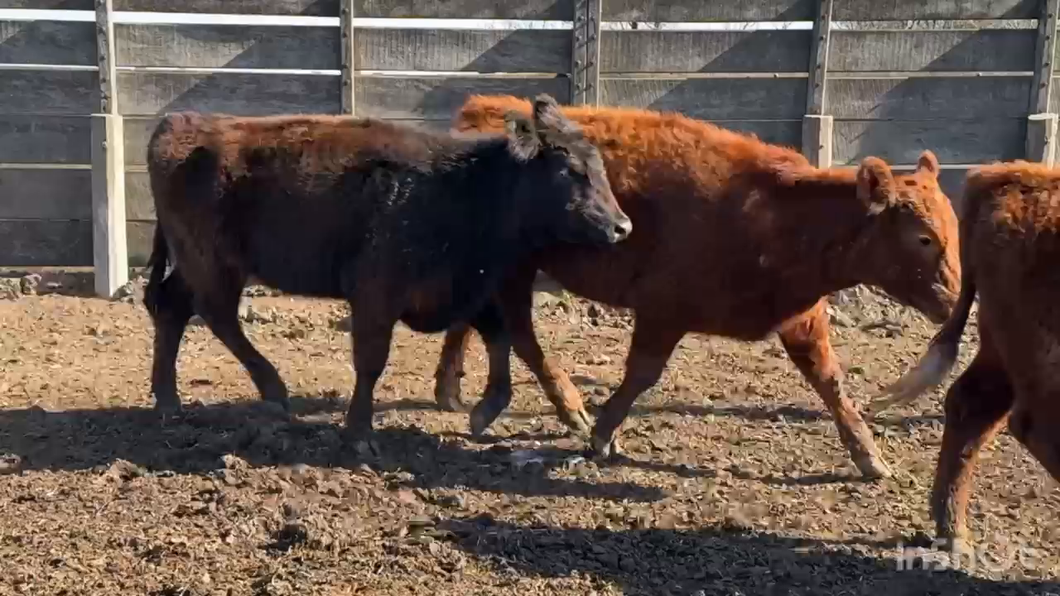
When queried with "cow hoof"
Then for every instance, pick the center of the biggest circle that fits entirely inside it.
(361, 442)
(479, 423)
(277, 409)
(484, 414)
(605, 449)
(367, 449)
(447, 396)
(276, 393)
(168, 406)
(872, 467)
(281, 401)
(578, 421)
(955, 545)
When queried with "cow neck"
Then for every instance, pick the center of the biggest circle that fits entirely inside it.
(493, 205)
(823, 228)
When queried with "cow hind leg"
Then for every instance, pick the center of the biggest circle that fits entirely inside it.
(170, 307)
(650, 349)
(450, 371)
(805, 338)
(976, 408)
(217, 303)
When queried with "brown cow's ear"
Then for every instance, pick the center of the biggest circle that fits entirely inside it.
(523, 141)
(876, 186)
(928, 163)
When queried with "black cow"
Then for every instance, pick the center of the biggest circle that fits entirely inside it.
(403, 222)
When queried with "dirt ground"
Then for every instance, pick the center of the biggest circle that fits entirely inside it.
(736, 481)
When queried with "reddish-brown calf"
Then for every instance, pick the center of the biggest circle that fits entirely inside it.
(1010, 248)
(733, 237)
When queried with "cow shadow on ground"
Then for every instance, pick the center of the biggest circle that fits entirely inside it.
(197, 441)
(780, 413)
(790, 414)
(714, 560)
(754, 413)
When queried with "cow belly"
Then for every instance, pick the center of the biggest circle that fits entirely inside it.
(434, 303)
(588, 273)
(308, 282)
(297, 266)
(432, 321)
(1039, 371)
(740, 302)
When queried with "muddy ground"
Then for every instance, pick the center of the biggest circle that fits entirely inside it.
(736, 482)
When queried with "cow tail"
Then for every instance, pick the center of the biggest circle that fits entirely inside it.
(180, 167)
(157, 263)
(941, 354)
(159, 165)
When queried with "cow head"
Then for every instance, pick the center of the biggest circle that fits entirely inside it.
(910, 248)
(565, 192)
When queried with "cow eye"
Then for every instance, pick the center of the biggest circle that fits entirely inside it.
(925, 241)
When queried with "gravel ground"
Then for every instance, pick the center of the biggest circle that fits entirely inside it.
(736, 483)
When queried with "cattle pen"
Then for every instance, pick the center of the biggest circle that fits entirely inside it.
(970, 80)
(735, 479)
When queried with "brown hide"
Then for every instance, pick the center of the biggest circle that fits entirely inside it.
(1010, 248)
(721, 209)
(734, 237)
(405, 223)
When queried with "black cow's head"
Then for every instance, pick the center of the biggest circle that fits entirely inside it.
(565, 190)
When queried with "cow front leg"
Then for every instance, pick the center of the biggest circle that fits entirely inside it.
(517, 298)
(450, 371)
(371, 337)
(516, 301)
(976, 407)
(806, 340)
(498, 395)
(653, 342)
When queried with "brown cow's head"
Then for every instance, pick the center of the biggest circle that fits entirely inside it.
(569, 196)
(910, 249)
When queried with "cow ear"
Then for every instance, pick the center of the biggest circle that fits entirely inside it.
(876, 187)
(550, 122)
(928, 163)
(523, 141)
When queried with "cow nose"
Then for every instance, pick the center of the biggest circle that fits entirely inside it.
(622, 230)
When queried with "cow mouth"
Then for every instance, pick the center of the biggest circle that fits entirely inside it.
(936, 309)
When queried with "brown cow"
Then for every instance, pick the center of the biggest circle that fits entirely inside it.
(734, 237)
(405, 223)
(1010, 254)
